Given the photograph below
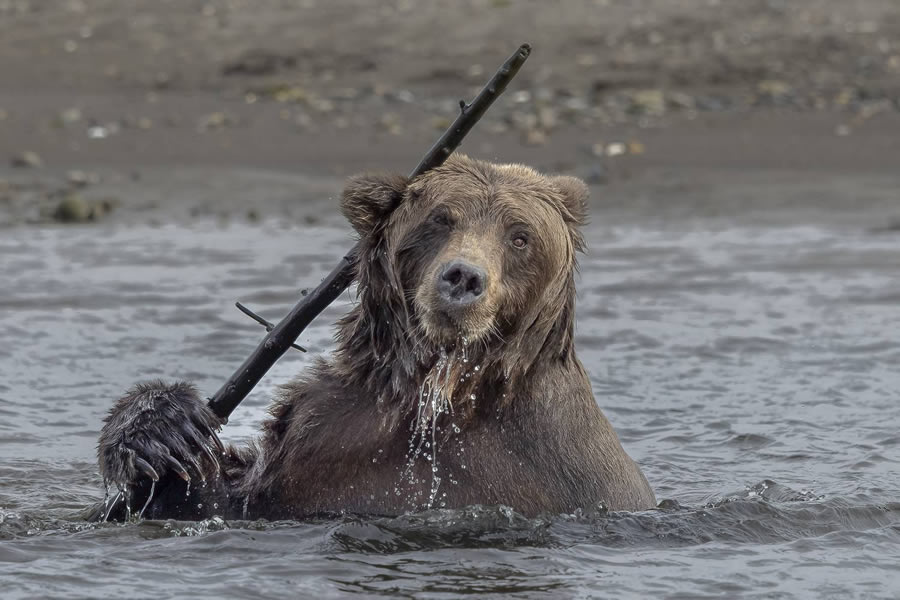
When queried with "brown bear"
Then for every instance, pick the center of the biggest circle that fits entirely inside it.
(454, 382)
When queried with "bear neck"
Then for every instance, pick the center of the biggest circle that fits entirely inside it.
(380, 352)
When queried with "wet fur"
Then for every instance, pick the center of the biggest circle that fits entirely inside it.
(523, 430)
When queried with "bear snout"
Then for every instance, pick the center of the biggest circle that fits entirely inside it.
(460, 283)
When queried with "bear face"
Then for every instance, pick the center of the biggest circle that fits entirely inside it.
(470, 253)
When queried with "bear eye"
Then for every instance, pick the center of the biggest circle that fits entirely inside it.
(520, 240)
(442, 219)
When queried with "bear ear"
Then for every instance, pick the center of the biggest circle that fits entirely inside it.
(369, 198)
(575, 195)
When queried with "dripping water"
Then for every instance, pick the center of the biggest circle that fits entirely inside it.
(435, 398)
(149, 499)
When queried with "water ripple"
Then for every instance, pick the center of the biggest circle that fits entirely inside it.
(751, 372)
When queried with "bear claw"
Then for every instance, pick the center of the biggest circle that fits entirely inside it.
(146, 468)
(178, 468)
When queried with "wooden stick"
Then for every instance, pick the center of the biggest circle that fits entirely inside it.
(263, 322)
(283, 335)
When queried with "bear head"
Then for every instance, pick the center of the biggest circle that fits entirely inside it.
(470, 254)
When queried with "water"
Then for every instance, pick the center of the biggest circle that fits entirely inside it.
(753, 371)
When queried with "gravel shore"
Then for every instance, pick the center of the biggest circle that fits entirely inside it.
(95, 93)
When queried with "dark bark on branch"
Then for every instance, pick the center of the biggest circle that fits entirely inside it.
(263, 322)
(283, 335)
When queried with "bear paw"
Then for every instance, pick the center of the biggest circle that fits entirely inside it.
(156, 428)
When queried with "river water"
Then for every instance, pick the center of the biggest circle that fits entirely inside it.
(753, 370)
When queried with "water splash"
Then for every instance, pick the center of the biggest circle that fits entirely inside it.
(110, 503)
(149, 499)
(435, 398)
(197, 528)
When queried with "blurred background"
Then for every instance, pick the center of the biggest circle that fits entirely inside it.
(96, 89)
(737, 306)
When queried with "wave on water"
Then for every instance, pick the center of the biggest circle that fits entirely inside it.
(765, 513)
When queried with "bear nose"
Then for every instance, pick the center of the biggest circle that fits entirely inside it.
(461, 283)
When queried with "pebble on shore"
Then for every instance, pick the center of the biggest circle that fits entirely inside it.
(73, 208)
(27, 160)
